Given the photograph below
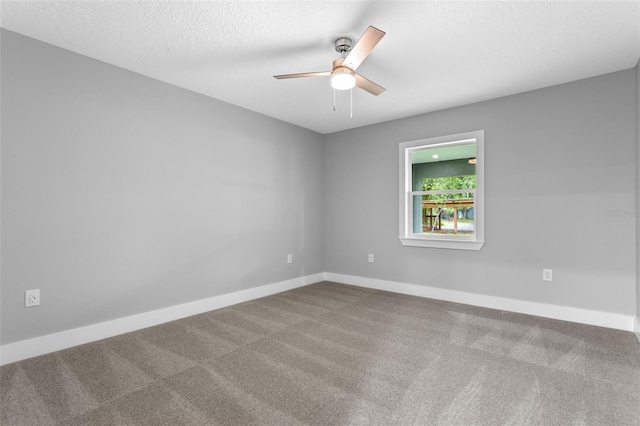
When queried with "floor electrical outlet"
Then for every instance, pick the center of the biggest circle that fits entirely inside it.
(31, 298)
(546, 275)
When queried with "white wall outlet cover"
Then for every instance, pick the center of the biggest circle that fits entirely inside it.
(547, 275)
(31, 298)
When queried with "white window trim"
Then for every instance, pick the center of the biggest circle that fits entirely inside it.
(407, 237)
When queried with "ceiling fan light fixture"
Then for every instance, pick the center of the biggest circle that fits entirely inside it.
(343, 78)
(343, 73)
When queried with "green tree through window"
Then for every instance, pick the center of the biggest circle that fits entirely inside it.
(450, 183)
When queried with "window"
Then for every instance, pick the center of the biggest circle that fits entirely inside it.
(442, 192)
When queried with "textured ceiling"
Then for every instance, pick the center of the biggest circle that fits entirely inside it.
(435, 55)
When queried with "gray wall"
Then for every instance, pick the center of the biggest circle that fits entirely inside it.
(557, 159)
(122, 194)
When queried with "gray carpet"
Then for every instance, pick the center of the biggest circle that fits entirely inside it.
(330, 354)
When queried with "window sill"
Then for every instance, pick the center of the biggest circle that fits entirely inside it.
(442, 243)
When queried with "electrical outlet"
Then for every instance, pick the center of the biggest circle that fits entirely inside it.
(289, 258)
(370, 258)
(31, 298)
(547, 275)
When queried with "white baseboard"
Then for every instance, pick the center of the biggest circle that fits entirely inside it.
(565, 313)
(24, 349)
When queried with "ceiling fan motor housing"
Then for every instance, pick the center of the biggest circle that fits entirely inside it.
(338, 63)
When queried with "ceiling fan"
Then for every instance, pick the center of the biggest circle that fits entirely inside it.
(343, 74)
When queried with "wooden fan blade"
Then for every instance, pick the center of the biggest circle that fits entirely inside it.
(363, 47)
(368, 85)
(304, 74)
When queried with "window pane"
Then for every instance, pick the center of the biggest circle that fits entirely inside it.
(449, 182)
(444, 214)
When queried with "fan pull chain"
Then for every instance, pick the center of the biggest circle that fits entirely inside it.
(351, 103)
(334, 100)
